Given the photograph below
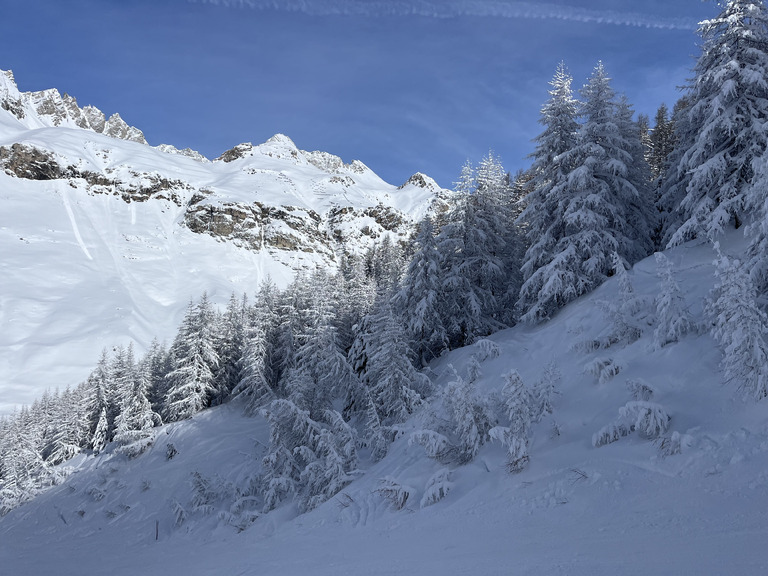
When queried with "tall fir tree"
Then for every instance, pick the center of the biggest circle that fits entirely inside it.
(543, 216)
(728, 111)
(195, 362)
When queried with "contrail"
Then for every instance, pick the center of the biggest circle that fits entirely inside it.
(455, 8)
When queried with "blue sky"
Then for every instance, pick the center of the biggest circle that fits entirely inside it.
(404, 86)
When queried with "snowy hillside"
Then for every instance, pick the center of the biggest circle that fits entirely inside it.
(105, 239)
(691, 501)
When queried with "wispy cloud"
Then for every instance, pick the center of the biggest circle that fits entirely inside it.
(455, 8)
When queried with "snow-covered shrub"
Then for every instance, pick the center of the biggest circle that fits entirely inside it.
(437, 487)
(517, 448)
(395, 493)
(170, 451)
(486, 349)
(640, 390)
(473, 370)
(471, 417)
(208, 491)
(648, 419)
(179, 513)
(435, 445)
(610, 433)
(603, 369)
(673, 444)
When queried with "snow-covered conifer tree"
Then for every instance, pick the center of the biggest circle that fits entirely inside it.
(543, 215)
(418, 298)
(672, 318)
(134, 424)
(728, 106)
(518, 405)
(395, 386)
(740, 327)
(597, 199)
(195, 360)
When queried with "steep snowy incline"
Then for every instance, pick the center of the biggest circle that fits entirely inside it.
(104, 239)
(633, 507)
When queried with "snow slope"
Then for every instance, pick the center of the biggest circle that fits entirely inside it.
(623, 508)
(105, 239)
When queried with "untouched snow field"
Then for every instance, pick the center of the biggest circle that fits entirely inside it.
(622, 509)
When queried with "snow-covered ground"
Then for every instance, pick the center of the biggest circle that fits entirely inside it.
(623, 508)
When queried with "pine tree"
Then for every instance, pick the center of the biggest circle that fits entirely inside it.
(473, 250)
(518, 406)
(740, 327)
(662, 142)
(595, 204)
(728, 107)
(99, 405)
(672, 318)
(675, 178)
(543, 217)
(395, 386)
(195, 360)
(418, 297)
(134, 424)
(229, 347)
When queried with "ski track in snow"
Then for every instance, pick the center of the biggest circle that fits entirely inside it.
(72, 221)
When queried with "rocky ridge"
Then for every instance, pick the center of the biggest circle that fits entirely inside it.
(276, 198)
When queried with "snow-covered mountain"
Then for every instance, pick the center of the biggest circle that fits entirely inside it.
(104, 239)
(691, 501)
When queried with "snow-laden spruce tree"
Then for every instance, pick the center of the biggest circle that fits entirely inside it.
(307, 459)
(673, 182)
(101, 426)
(600, 209)
(395, 386)
(134, 425)
(673, 321)
(518, 406)
(662, 142)
(229, 347)
(195, 361)
(254, 386)
(740, 328)
(474, 251)
(418, 297)
(728, 110)
(543, 216)
(320, 371)
(642, 216)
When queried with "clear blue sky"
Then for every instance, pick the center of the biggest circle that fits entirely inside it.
(402, 85)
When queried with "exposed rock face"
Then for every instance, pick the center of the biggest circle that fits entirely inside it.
(30, 163)
(259, 227)
(10, 98)
(239, 151)
(117, 128)
(50, 108)
(34, 164)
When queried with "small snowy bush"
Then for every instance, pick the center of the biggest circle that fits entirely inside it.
(486, 349)
(603, 369)
(437, 487)
(395, 493)
(648, 419)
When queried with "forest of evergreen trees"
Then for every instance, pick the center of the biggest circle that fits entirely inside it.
(336, 362)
